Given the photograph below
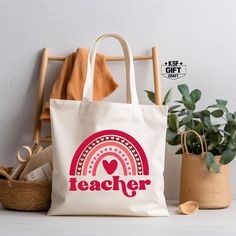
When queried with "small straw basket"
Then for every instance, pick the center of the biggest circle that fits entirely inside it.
(209, 190)
(24, 195)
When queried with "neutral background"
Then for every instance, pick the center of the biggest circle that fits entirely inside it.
(202, 34)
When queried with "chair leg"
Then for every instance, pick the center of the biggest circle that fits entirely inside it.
(40, 96)
(156, 75)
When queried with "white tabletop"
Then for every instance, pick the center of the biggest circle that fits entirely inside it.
(204, 222)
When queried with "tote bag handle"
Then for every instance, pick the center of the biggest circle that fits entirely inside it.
(131, 93)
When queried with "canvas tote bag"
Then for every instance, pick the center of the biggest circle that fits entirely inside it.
(108, 158)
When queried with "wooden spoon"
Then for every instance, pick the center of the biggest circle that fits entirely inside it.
(188, 207)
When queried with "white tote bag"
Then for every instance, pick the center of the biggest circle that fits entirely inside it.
(108, 158)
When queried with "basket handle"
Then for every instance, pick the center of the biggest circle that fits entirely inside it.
(184, 142)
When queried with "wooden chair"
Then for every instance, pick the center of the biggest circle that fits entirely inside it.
(42, 79)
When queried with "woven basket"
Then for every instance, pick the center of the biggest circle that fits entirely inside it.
(24, 195)
(210, 190)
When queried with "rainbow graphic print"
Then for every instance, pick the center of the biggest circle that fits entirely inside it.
(122, 149)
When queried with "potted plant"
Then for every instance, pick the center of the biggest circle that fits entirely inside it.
(207, 134)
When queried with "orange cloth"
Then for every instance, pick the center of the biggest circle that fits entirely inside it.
(71, 80)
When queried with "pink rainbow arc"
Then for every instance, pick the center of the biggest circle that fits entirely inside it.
(95, 149)
(101, 143)
(107, 154)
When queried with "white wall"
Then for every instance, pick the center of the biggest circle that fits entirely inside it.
(200, 33)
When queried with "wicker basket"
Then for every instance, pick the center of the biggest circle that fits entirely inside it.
(24, 195)
(210, 190)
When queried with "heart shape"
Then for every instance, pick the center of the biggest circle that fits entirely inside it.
(110, 167)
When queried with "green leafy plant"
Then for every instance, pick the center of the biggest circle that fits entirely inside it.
(215, 123)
